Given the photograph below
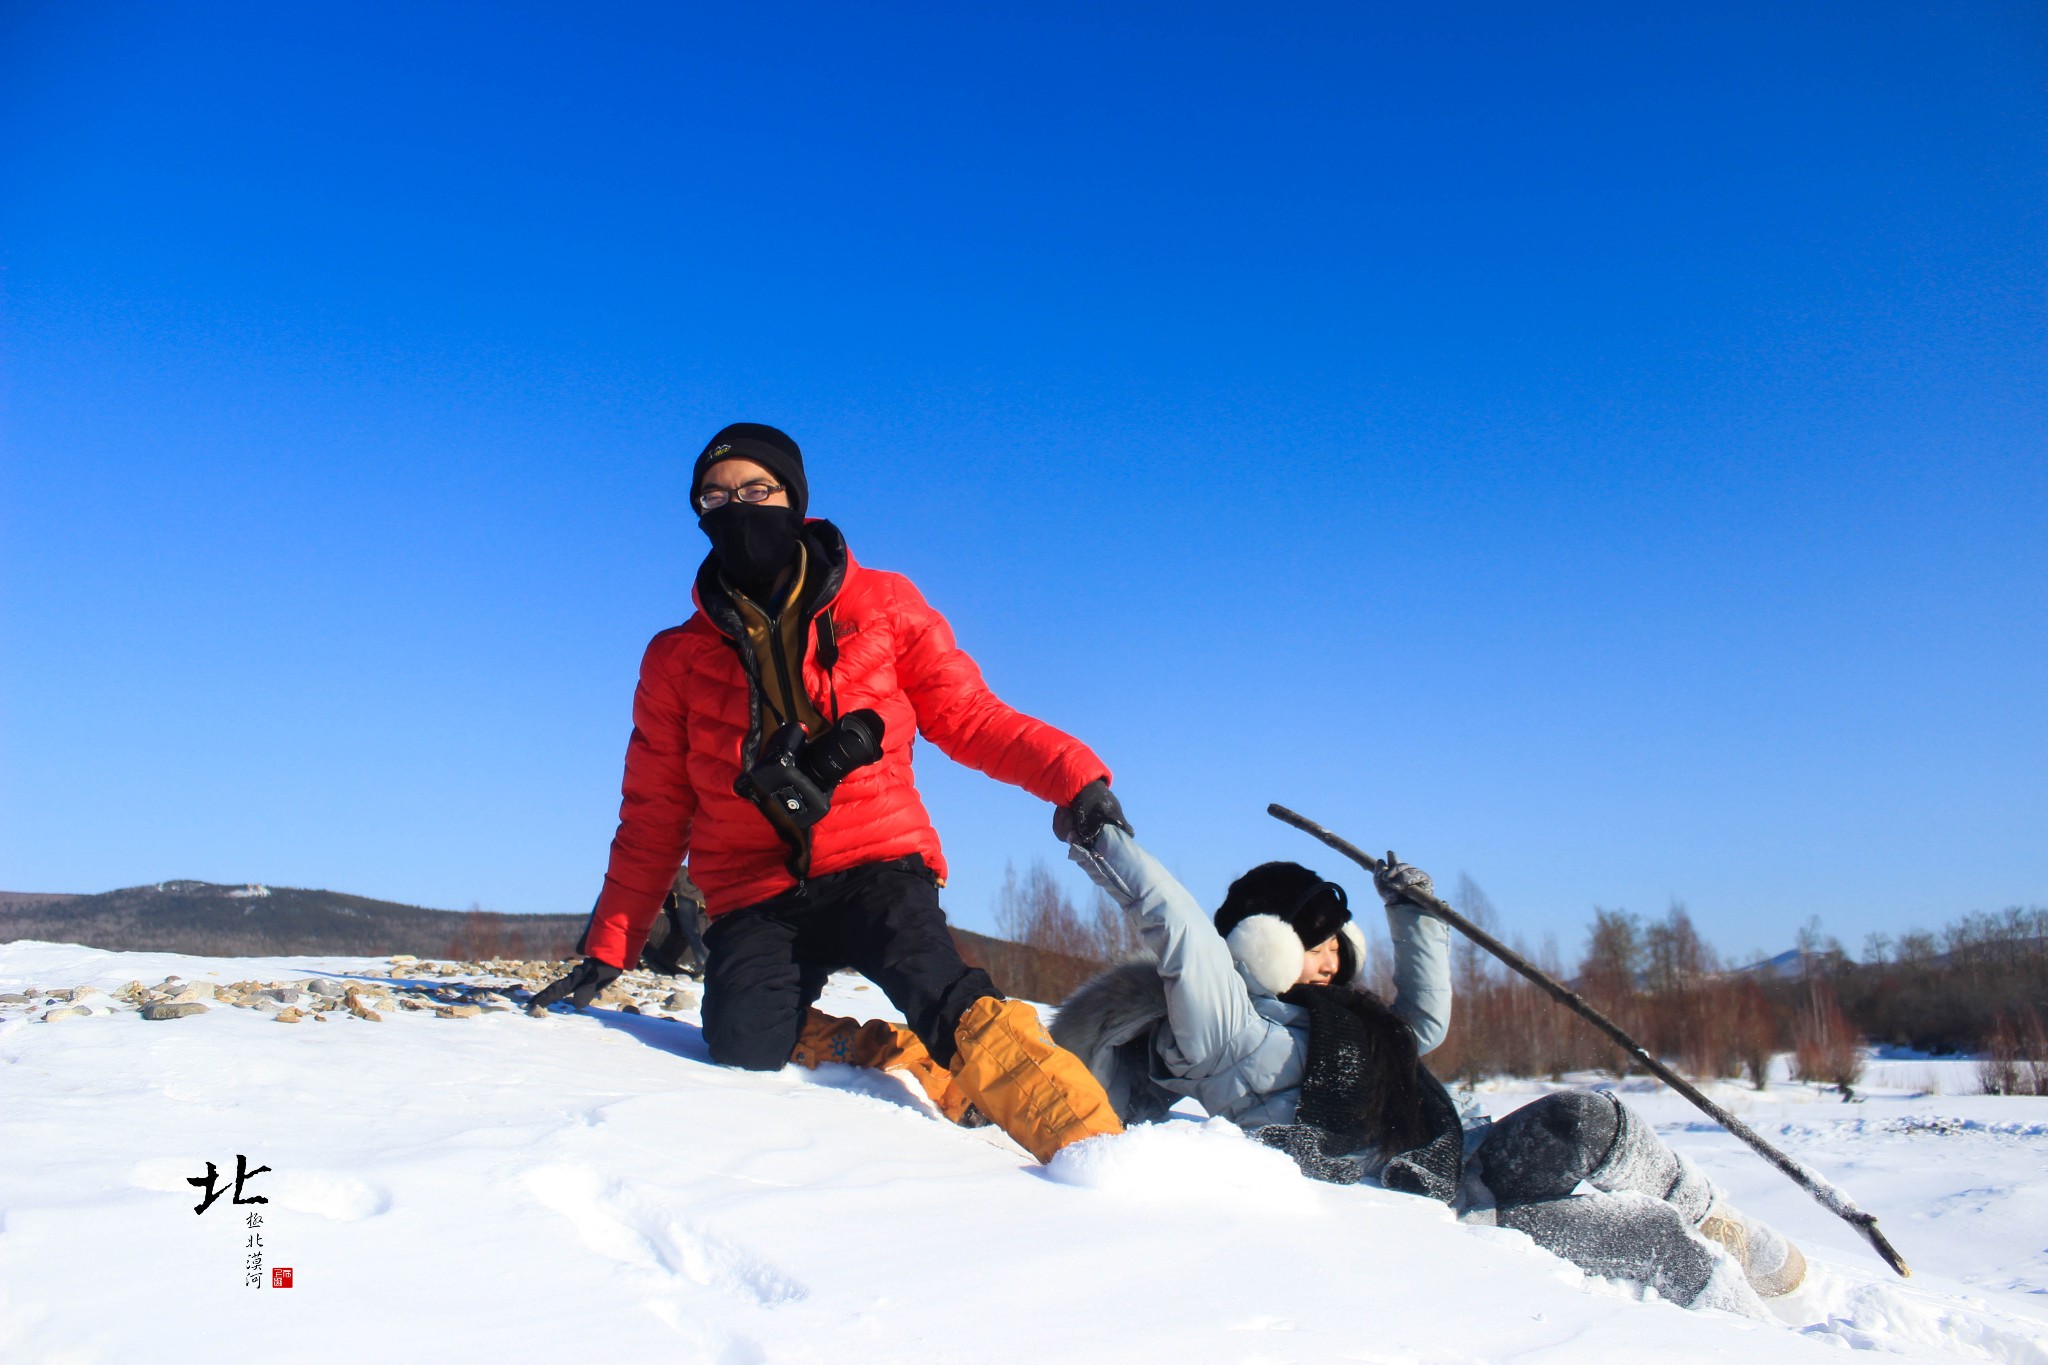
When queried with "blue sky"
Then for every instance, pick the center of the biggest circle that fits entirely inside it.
(1596, 450)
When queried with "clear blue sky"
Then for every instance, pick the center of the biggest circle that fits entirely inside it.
(1600, 450)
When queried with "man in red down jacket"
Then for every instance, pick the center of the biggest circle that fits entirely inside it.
(772, 736)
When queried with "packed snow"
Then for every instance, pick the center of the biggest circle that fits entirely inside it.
(590, 1186)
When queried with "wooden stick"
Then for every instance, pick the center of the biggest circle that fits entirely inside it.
(1836, 1202)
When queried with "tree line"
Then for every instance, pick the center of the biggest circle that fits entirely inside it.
(1977, 986)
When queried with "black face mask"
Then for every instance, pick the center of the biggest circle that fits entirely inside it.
(753, 542)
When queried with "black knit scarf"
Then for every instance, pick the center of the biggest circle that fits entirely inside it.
(1368, 1091)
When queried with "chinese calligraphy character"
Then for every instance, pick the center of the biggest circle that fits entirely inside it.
(242, 1175)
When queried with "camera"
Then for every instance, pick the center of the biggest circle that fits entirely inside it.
(793, 780)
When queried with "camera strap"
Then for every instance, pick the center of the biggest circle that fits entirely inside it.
(828, 656)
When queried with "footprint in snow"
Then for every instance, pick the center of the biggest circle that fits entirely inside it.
(631, 1225)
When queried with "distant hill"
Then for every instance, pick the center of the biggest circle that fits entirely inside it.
(209, 919)
(261, 921)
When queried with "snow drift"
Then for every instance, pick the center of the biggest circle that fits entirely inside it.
(448, 1187)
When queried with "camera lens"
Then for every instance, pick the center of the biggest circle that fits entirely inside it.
(854, 742)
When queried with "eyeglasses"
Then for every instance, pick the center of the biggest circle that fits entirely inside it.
(760, 490)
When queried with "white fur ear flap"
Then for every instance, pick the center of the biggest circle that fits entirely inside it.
(1349, 931)
(1269, 950)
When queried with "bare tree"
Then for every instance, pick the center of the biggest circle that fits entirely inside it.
(1052, 947)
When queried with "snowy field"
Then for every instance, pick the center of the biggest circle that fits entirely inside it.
(592, 1188)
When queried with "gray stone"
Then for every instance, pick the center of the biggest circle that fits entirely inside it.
(16, 998)
(179, 1010)
(332, 989)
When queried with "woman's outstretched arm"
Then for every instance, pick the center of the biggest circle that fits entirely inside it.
(1208, 1008)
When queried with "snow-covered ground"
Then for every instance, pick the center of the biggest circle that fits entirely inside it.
(590, 1187)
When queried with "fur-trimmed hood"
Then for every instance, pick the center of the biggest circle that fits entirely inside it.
(1111, 1009)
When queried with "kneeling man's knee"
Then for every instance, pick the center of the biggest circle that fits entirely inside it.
(753, 1043)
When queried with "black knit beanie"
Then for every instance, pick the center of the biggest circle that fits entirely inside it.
(1312, 907)
(765, 446)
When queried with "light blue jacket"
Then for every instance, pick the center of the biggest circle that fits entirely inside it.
(1226, 1041)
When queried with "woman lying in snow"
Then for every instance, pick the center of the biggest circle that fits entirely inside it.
(1260, 1017)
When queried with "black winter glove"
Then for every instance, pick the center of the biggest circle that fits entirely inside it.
(579, 986)
(1081, 819)
(1399, 882)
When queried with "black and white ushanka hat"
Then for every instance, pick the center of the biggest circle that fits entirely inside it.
(1269, 945)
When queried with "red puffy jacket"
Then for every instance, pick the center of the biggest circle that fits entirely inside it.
(693, 715)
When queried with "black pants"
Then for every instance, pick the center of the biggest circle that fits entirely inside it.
(769, 962)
